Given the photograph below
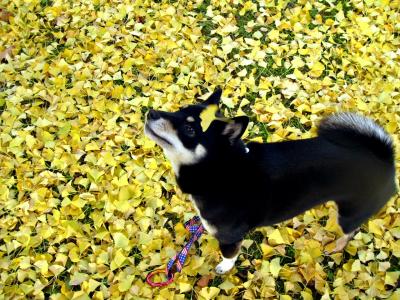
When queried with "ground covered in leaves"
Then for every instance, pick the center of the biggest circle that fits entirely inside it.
(88, 205)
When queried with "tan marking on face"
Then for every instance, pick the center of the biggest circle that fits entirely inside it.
(175, 151)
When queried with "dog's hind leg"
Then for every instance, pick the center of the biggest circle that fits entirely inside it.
(230, 252)
(351, 215)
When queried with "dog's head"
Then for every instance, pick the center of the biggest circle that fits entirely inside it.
(181, 135)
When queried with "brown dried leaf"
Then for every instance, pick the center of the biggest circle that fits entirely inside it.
(5, 15)
(6, 54)
(204, 280)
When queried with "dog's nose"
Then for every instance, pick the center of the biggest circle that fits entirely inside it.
(153, 114)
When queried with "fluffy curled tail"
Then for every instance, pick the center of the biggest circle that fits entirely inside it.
(353, 130)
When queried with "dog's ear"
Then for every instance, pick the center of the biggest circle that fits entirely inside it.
(235, 128)
(215, 97)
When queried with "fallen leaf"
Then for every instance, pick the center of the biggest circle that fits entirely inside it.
(5, 15)
(77, 278)
(6, 54)
(275, 266)
(207, 116)
(204, 280)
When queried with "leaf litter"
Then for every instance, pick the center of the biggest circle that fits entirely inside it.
(88, 205)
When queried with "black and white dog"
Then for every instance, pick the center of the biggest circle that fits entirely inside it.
(236, 187)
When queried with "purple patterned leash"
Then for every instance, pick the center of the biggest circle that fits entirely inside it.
(196, 229)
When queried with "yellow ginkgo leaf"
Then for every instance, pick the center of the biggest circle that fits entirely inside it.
(207, 116)
(276, 237)
(209, 292)
(120, 240)
(77, 278)
(42, 265)
(275, 266)
(317, 69)
(56, 269)
(89, 205)
(118, 261)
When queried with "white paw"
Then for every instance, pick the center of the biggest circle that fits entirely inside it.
(225, 265)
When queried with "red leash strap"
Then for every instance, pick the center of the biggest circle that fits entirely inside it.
(161, 283)
(196, 229)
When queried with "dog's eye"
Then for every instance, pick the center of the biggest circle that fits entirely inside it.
(189, 131)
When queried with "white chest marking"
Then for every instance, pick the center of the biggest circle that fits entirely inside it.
(181, 156)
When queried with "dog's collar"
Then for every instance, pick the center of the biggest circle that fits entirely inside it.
(247, 150)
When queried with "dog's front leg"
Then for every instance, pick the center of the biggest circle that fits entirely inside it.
(230, 252)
